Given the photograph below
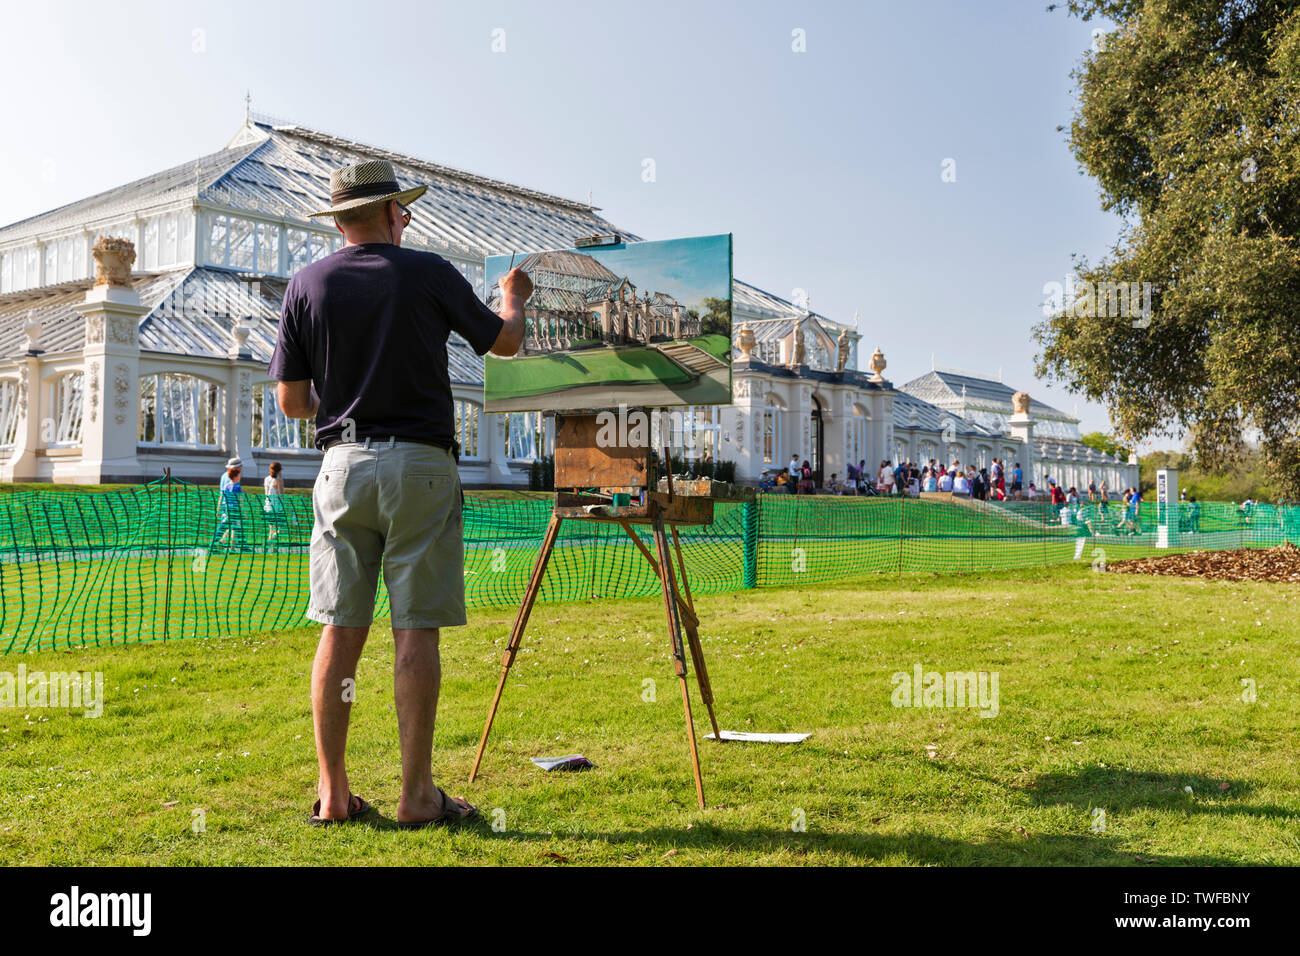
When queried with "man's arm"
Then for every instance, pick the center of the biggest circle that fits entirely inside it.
(298, 399)
(516, 287)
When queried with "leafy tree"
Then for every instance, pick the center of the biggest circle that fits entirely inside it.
(1106, 444)
(1246, 478)
(716, 316)
(1189, 120)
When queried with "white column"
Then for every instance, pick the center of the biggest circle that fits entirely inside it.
(880, 441)
(21, 463)
(238, 428)
(1022, 430)
(110, 420)
(493, 431)
(742, 425)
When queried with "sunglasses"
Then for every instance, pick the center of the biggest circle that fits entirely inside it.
(406, 215)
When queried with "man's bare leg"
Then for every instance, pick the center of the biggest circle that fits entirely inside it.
(417, 678)
(336, 661)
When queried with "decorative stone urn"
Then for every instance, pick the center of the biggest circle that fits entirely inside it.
(747, 342)
(32, 329)
(877, 365)
(239, 333)
(113, 260)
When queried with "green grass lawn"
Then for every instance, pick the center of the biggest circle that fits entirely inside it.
(1116, 692)
(719, 346)
(541, 374)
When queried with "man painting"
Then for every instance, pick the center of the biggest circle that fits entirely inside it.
(362, 348)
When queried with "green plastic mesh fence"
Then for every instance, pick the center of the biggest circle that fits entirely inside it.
(170, 560)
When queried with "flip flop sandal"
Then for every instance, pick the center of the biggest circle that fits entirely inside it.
(315, 820)
(450, 815)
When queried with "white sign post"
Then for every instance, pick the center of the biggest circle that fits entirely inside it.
(1167, 508)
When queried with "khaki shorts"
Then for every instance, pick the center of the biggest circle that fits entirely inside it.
(395, 506)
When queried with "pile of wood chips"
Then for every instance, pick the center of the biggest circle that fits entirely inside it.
(1281, 563)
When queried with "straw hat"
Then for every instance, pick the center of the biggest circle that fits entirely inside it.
(363, 184)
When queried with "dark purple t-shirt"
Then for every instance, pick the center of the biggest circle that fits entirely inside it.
(368, 325)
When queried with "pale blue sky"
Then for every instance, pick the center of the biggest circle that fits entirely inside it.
(824, 164)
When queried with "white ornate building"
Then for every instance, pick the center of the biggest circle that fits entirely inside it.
(167, 368)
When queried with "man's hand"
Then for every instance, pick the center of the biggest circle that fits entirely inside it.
(515, 287)
(516, 282)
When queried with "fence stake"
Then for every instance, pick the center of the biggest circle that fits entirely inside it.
(167, 599)
(749, 518)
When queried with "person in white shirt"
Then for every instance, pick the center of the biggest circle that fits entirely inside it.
(273, 501)
(945, 481)
(961, 484)
(885, 480)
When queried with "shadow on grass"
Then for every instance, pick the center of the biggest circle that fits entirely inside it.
(1116, 790)
(918, 848)
(1111, 789)
(921, 848)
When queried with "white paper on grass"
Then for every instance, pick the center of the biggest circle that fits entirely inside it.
(761, 738)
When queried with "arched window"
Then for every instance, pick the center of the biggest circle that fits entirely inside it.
(983, 456)
(468, 416)
(772, 433)
(273, 429)
(8, 412)
(858, 429)
(697, 432)
(67, 405)
(180, 410)
(526, 436)
(927, 452)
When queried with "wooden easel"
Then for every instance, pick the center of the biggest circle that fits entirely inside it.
(581, 463)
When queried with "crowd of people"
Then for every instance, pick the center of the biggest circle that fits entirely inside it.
(1000, 481)
(997, 482)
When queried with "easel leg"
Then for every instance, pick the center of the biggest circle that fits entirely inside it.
(666, 577)
(517, 634)
(686, 612)
(693, 638)
(690, 621)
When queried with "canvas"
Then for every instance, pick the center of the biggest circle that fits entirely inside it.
(636, 324)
